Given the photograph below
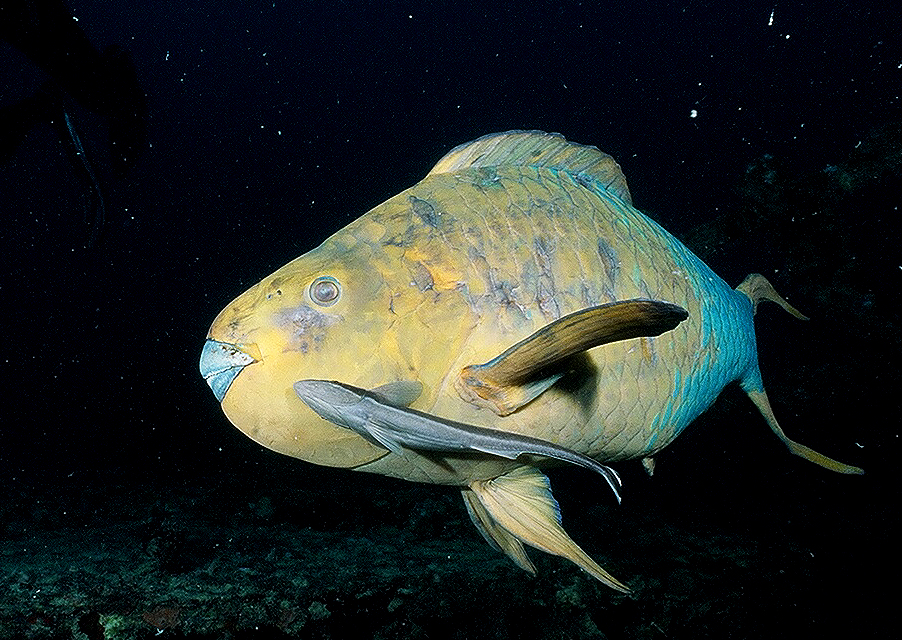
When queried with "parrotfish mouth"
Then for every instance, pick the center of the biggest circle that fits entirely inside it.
(220, 364)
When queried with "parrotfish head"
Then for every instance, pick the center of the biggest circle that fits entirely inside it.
(325, 315)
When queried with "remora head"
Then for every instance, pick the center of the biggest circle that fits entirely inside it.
(328, 399)
(325, 315)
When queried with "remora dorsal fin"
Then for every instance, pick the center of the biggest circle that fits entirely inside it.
(519, 506)
(509, 381)
(402, 393)
(538, 149)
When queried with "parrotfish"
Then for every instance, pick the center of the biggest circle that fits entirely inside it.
(510, 311)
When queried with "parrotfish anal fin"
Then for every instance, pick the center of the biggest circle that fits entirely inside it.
(519, 505)
(763, 404)
(496, 535)
(757, 288)
(521, 373)
(586, 164)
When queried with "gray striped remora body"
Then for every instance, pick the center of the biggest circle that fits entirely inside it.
(382, 417)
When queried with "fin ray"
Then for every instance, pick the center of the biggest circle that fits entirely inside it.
(584, 163)
(496, 535)
(521, 503)
(399, 394)
(763, 404)
(757, 288)
(509, 381)
(383, 437)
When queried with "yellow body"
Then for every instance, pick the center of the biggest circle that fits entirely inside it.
(421, 302)
(487, 249)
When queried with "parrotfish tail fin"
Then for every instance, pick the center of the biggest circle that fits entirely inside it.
(763, 404)
(518, 507)
(757, 288)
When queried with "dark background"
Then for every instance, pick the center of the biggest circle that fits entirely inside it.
(271, 125)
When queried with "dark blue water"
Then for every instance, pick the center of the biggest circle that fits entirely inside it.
(768, 133)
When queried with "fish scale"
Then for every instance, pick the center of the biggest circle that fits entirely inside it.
(644, 392)
(509, 311)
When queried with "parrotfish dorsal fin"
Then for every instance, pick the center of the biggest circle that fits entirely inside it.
(538, 149)
(521, 373)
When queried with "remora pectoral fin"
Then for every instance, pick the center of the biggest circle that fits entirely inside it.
(515, 377)
(518, 506)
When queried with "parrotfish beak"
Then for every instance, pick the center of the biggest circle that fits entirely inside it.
(220, 364)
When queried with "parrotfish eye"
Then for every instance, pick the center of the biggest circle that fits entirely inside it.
(325, 291)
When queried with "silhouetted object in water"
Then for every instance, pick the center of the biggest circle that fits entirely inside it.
(104, 83)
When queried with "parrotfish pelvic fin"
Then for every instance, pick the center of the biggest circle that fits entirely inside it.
(757, 288)
(518, 506)
(522, 372)
(497, 536)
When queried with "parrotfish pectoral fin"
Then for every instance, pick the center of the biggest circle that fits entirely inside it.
(763, 404)
(520, 374)
(518, 506)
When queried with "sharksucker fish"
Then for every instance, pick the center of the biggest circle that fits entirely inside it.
(510, 311)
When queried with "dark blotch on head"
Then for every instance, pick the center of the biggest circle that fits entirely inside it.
(425, 211)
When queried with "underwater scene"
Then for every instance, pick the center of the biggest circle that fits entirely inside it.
(449, 321)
